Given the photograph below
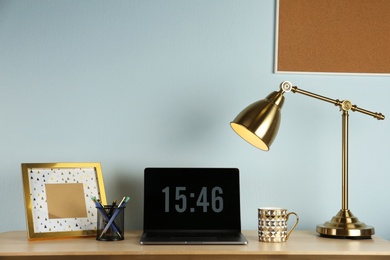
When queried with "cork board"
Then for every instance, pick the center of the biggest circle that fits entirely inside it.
(333, 36)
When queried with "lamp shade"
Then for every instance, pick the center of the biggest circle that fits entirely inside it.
(259, 123)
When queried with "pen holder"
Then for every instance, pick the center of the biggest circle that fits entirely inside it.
(110, 223)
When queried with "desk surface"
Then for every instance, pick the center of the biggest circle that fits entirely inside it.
(301, 245)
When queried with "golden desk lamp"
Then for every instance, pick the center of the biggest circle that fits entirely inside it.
(258, 124)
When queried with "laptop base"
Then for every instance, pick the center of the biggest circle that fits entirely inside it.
(151, 239)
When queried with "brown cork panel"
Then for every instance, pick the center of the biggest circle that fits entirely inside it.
(344, 36)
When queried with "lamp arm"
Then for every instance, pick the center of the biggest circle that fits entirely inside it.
(344, 216)
(344, 105)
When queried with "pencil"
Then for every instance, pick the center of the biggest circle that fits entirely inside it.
(117, 210)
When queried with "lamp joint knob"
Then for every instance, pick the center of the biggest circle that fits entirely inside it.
(346, 105)
(286, 86)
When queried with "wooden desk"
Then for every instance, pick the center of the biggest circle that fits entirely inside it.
(301, 245)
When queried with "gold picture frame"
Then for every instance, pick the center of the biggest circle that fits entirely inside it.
(58, 199)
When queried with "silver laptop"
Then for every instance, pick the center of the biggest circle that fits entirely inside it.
(192, 206)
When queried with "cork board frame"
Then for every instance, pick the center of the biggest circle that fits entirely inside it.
(58, 199)
(333, 36)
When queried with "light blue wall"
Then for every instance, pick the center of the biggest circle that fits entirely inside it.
(133, 84)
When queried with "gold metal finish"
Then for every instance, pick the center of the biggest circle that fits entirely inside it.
(272, 225)
(258, 125)
(337, 102)
(31, 204)
(295, 224)
(344, 161)
(345, 225)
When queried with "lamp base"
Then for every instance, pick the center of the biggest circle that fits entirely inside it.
(345, 225)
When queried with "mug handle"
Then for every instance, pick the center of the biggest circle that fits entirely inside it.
(296, 223)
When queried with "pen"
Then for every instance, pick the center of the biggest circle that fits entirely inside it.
(117, 210)
(112, 208)
(100, 207)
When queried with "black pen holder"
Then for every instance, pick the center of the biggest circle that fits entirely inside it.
(110, 223)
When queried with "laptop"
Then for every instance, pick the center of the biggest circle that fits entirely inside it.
(192, 206)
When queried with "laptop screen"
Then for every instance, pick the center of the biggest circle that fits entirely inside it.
(191, 199)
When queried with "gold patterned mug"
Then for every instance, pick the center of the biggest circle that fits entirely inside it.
(273, 224)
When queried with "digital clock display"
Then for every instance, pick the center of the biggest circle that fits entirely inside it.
(203, 199)
(191, 198)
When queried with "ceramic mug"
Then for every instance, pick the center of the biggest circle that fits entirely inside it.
(273, 224)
